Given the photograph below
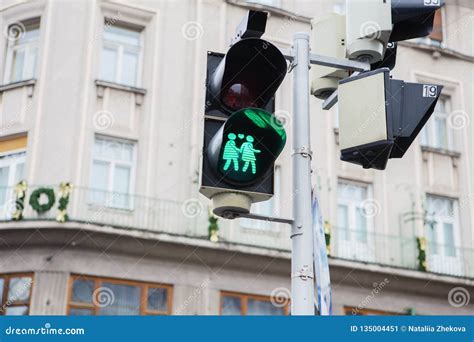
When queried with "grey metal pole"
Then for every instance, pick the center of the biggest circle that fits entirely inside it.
(302, 272)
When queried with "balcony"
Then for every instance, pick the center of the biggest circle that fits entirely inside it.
(190, 219)
(401, 252)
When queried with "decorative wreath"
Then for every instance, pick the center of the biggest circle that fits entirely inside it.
(35, 196)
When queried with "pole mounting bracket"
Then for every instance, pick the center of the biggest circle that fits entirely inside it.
(305, 151)
(304, 273)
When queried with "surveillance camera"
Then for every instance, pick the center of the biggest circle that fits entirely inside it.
(368, 29)
(328, 35)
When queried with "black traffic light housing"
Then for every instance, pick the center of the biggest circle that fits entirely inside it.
(247, 76)
(404, 110)
(242, 138)
(410, 19)
(413, 18)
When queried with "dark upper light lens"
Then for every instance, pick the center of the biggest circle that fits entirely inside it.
(237, 96)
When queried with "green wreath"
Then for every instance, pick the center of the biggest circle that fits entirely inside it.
(35, 196)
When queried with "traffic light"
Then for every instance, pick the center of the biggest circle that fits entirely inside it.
(381, 117)
(413, 18)
(242, 138)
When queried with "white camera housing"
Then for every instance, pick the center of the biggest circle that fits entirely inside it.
(328, 35)
(368, 28)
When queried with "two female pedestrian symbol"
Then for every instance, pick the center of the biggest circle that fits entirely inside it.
(246, 153)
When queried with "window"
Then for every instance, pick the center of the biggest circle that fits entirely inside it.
(12, 171)
(352, 220)
(112, 172)
(121, 54)
(354, 239)
(22, 51)
(267, 208)
(15, 294)
(244, 304)
(437, 133)
(109, 297)
(442, 223)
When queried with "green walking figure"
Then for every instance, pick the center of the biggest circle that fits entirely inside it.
(231, 153)
(248, 154)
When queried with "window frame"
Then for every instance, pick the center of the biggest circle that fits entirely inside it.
(6, 287)
(352, 206)
(120, 48)
(111, 172)
(12, 47)
(453, 220)
(98, 281)
(429, 137)
(244, 297)
(9, 190)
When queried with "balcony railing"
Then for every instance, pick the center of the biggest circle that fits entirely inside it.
(190, 219)
(399, 251)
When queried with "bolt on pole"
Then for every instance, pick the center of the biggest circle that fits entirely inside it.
(302, 272)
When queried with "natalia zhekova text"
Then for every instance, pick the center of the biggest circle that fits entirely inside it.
(407, 328)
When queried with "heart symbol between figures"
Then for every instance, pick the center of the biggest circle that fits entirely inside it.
(241, 136)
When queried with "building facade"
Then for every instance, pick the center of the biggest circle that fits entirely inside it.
(101, 112)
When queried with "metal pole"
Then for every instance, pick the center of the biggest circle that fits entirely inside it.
(302, 273)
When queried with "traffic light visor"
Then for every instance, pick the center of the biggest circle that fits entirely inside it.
(249, 75)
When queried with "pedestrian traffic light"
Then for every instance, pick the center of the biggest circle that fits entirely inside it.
(242, 136)
(380, 117)
(246, 145)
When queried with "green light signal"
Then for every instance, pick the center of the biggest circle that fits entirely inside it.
(246, 153)
(251, 140)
